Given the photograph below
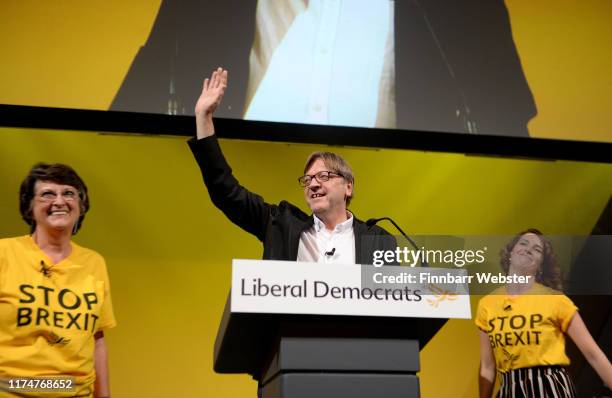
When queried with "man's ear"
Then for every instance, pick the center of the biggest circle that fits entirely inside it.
(349, 189)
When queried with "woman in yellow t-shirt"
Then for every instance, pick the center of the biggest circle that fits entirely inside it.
(54, 295)
(523, 327)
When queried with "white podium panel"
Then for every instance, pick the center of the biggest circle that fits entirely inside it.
(287, 287)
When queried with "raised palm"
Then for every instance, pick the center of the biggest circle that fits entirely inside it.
(212, 92)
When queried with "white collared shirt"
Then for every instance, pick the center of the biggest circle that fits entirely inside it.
(319, 245)
(331, 66)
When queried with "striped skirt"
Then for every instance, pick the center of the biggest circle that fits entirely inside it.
(537, 382)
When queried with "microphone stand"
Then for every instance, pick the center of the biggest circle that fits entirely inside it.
(373, 221)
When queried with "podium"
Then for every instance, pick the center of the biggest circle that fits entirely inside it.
(309, 330)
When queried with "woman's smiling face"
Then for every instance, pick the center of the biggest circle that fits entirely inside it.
(527, 255)
(55, 206)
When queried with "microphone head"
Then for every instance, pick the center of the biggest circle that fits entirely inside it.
(371, 222)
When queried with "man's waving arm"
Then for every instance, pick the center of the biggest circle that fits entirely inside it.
(244, 208)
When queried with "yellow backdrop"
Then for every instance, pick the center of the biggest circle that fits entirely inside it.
(75, 54)
(169, 250)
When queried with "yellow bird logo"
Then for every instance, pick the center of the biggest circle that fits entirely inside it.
(440, 295)
(54, 339)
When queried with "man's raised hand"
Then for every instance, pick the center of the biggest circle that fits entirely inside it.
(212, 93)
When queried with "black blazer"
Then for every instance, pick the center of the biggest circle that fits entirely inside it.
(279, 226)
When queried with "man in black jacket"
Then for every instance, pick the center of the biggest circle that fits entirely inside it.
(330, 235)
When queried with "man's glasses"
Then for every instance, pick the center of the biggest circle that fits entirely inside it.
(321, 176)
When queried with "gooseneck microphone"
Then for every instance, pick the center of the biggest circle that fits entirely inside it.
(373, 221)
(331, 252)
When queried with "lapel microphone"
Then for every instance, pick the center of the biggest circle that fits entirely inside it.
(46, 271)
(331, 252)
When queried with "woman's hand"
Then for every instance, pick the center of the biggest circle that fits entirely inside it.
(488, 371)
(101, 386)
(579, 333)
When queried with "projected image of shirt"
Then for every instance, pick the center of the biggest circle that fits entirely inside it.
(334, 65)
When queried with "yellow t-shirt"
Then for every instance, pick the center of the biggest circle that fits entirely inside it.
(526, 330)
(48, 319)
